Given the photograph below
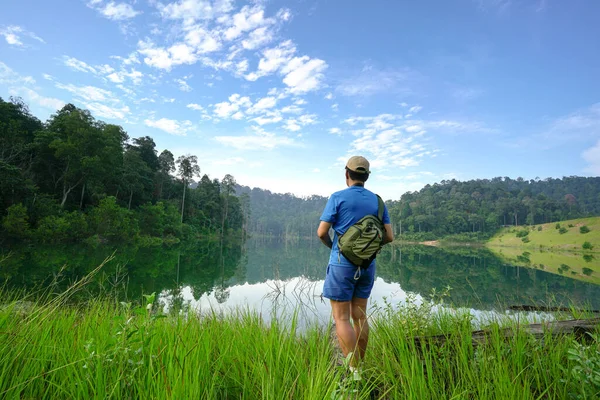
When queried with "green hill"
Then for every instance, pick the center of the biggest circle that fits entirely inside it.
(564, 235)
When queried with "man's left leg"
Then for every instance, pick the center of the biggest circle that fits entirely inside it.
(358, 310)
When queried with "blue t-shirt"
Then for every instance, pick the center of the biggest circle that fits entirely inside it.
(344, 209)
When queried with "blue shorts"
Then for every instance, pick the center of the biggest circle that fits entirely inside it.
(340, 284)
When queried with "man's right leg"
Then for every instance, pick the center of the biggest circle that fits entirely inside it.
(358, 309)
(345, 333)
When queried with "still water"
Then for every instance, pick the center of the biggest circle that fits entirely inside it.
(275, 277)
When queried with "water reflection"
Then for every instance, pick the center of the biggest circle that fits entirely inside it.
(275, 277)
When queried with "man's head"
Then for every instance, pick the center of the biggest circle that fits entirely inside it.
(357, 169)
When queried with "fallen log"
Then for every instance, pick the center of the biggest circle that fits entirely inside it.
(579, 328)
(550, 309)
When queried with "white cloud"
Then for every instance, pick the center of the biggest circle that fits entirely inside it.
(257, 38)
(304, 74)
(263, 104)
(579, 125)
(13, 35)
(105, 69)
(226, 109)
(293, 109)
(106, 111)
(131, 59)
(371, 81)
(196, 107)
(115, 78)
(48, 77)
(157, 57)
(273, 59)
(78, 65)
(171, 126)
(329, 96)
(261, 140)
(268, 118)
(229, 161)
(415, 109)
(183, 85)
(245, 20)
(292, 125)
(118, 11)
(49, 103)
(335, 107)
(201, 40)
(192, 10)
(335, 131)
(465, 94)
(130, 92)
(497, 6)
(592, 157)
(89, 93)
(10, 77)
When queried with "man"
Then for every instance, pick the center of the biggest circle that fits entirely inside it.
(347, 286)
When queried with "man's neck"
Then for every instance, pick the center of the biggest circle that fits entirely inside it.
(356, 183)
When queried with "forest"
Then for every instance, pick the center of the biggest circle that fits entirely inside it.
(74, 178)
(467, 210)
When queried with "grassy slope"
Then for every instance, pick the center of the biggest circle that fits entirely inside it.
(549, 238)
(581, 265)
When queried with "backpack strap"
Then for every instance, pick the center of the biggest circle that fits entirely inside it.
(381, 206)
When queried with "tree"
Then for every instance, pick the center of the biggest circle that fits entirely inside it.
(188, 168)
(166, 166)
(227, 189)
(136, 173)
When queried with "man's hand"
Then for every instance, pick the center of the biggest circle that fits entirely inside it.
(389, 234)
(323, 233)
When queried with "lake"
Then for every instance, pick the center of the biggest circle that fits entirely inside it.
(274, 277)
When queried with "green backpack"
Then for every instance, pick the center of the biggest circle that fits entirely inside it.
(363, 240)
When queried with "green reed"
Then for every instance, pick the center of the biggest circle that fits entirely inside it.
(109, 349)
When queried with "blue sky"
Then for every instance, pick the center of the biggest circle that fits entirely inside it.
(281, 93)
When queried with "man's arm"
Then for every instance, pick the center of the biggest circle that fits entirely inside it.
(389, 234)
(323, 233)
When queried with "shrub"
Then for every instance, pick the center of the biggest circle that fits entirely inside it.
(570, 225)
(61, 228)
(563, 268)
(557, 226)
(113, 222)
(588, 258)
(525, 239)
(539, 228)
(587, 246)
(52, 229)
(522, 233)
(563, 230)
(587, 271)
(584, 229)
(16, 222)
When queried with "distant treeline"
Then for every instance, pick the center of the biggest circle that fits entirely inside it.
(75, 178)
(464, 210)
(479, 207)
(282, 215)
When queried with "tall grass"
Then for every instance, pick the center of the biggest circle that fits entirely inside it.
(107, 349)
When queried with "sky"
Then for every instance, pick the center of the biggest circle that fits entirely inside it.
(281, 93)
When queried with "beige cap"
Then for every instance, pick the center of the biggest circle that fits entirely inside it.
(358, 164)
